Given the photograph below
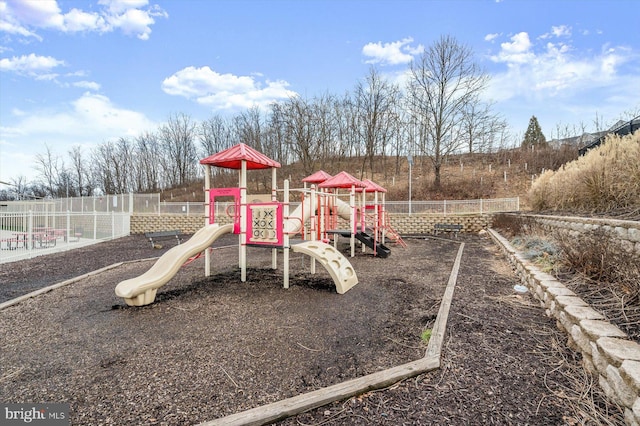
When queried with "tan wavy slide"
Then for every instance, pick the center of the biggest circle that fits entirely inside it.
(141, 290)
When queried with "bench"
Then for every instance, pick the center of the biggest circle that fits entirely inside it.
(45, 240)
(447, 227)
(154, 236)
(8, 242)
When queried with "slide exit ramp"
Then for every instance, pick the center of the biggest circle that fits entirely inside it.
(141, 290)
(340, 269)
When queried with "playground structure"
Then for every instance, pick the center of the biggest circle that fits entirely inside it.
(271, 225)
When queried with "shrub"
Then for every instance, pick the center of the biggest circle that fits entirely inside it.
(512, 225)
(604, 260)
(607, 178)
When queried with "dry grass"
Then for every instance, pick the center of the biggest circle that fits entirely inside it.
(606, 179)
(607, 276)
(579, 390)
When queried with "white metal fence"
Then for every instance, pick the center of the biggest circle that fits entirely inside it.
(122, 203)
(453, 207)
(445, 207)
(29, 229)
(24, 235)
(151, 204)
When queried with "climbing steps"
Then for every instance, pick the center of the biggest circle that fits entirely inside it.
(380, 250)
(392, 234)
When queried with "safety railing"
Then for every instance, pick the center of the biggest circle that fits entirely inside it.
(453, 207)
(24, 235)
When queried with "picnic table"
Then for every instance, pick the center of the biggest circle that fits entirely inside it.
(43, 239)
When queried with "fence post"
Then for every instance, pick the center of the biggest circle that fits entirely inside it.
(517, 204)
(113, 225)
(445, 207)
(95, 223)
(30, 232)
(480, 205)
(68, 228)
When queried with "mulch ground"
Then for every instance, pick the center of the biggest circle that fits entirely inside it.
(209, 347)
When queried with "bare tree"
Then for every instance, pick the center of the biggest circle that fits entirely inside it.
(81, 178)
(276, 132)
(442, 82)
(113, 166)
(103, 157)
(49, 167)
(215, 135)
(376, 102)
(326, 128)
(248, 128)
(349, 140)
(148, 162)
(480, 125)
(301, 135)
(180, 155)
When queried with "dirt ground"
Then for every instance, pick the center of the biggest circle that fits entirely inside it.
(209, 347)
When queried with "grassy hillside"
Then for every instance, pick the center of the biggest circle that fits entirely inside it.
(507, 173)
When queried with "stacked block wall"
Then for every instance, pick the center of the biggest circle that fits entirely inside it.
(606, 351)
(168, 222)
(402, 223)
(626, 231)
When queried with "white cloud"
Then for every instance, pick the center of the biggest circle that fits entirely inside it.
(558, 31)
(553, 69)
(517, 51)
(119, 6)
(225, 91)
(30, 64)
(561, 31)
(393, 53)
(89, 120)
(91, 117)
(133, 22)
(491, 37)
(132, 17)
(91, 85)
(77, 21)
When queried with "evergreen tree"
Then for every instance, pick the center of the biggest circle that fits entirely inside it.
(534, 136)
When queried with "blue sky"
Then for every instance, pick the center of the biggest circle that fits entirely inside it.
(78, 73)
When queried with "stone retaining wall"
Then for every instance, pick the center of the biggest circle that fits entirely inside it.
(168, 222)
(402, 223)
(626, 231)
(606, 351)
(424, 224)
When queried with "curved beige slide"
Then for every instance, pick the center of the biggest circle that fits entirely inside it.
(141, 290)
(338, 266)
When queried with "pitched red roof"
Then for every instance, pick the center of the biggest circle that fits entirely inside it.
(342, 180)
(231, 158)
(318, 177)
(371, 186)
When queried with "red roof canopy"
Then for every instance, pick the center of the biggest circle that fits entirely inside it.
(342, 180)
(232, 158)
(318, 177)
(371, 186)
